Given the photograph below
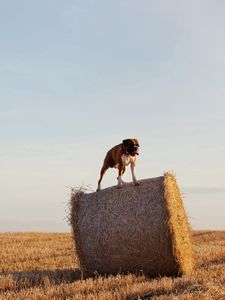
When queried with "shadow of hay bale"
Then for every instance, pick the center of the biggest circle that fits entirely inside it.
(134, 229)
(29, 279)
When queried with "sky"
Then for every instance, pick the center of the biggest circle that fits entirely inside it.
(78, 77)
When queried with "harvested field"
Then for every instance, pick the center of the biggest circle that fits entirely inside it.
(42, 266)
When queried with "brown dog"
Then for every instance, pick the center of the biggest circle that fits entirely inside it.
(119, 157)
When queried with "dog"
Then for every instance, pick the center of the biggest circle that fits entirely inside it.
(119, 157)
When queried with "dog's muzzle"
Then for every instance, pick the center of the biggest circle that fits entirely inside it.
(136, 150)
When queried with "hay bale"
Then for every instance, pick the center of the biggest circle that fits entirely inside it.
(134, 229)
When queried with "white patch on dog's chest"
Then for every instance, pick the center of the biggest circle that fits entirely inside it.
(127, 159)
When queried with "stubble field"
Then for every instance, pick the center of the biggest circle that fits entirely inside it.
(43, 266)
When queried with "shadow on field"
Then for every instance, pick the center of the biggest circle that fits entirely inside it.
(28, 279)
(177, 291)
(54, 276)
(213, 262)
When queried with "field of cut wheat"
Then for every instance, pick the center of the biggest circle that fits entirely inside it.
(43, 266)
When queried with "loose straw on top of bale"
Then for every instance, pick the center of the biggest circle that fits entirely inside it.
(136, 228)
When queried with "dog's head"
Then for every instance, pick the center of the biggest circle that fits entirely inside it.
(131, 146)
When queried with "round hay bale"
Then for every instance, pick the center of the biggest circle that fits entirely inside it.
(133, 229)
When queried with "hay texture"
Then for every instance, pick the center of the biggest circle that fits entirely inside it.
(133, 229)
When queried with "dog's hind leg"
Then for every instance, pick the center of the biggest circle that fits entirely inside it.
(103, 170)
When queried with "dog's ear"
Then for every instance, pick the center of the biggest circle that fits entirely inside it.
(126, 142)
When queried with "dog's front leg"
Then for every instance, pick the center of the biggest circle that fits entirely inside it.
(132, 165)
(120, 181)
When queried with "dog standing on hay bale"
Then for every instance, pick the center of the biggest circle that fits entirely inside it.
(119, 157)
(133, 229)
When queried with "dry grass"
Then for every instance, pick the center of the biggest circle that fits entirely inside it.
(42, 266)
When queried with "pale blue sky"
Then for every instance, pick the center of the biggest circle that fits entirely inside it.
(77, 77)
